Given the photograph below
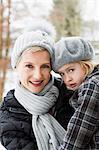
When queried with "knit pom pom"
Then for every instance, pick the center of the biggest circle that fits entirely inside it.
(43, 25)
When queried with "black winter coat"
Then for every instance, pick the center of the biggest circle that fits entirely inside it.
(16, 123)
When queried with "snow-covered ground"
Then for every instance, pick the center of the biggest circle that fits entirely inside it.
(9, 84)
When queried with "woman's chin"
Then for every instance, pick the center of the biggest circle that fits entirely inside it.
(36, 91)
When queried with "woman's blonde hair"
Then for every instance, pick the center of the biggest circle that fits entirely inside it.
(33, 49)
(88, 66)
(36, 49)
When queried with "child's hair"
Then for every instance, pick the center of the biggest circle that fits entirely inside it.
(88, 65)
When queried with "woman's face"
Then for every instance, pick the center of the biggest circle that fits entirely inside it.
(34, 70)
(73, 75)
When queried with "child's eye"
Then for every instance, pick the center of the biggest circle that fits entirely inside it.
(29, 66)
(70, 70)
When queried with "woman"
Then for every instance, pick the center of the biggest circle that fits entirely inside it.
(26, 114)
(74, 62)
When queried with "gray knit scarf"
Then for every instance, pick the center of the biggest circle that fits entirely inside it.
(48, 132)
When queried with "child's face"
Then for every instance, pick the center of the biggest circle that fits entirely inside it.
(34, 70)
(73, 75)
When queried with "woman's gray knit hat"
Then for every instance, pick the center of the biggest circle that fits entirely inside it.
(29, 39)
(71, 49)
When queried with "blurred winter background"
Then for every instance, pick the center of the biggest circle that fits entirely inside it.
(58, 17)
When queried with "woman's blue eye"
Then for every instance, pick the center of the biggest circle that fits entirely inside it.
(29, 66)
(46, 66)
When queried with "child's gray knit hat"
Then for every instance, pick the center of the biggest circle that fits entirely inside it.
(71, 49)
(29, 39)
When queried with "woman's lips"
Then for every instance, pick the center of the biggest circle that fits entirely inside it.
(36, 83)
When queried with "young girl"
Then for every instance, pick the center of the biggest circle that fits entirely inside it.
(28, 112)
(73, 61)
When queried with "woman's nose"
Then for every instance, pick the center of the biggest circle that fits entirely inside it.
(37, 74)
